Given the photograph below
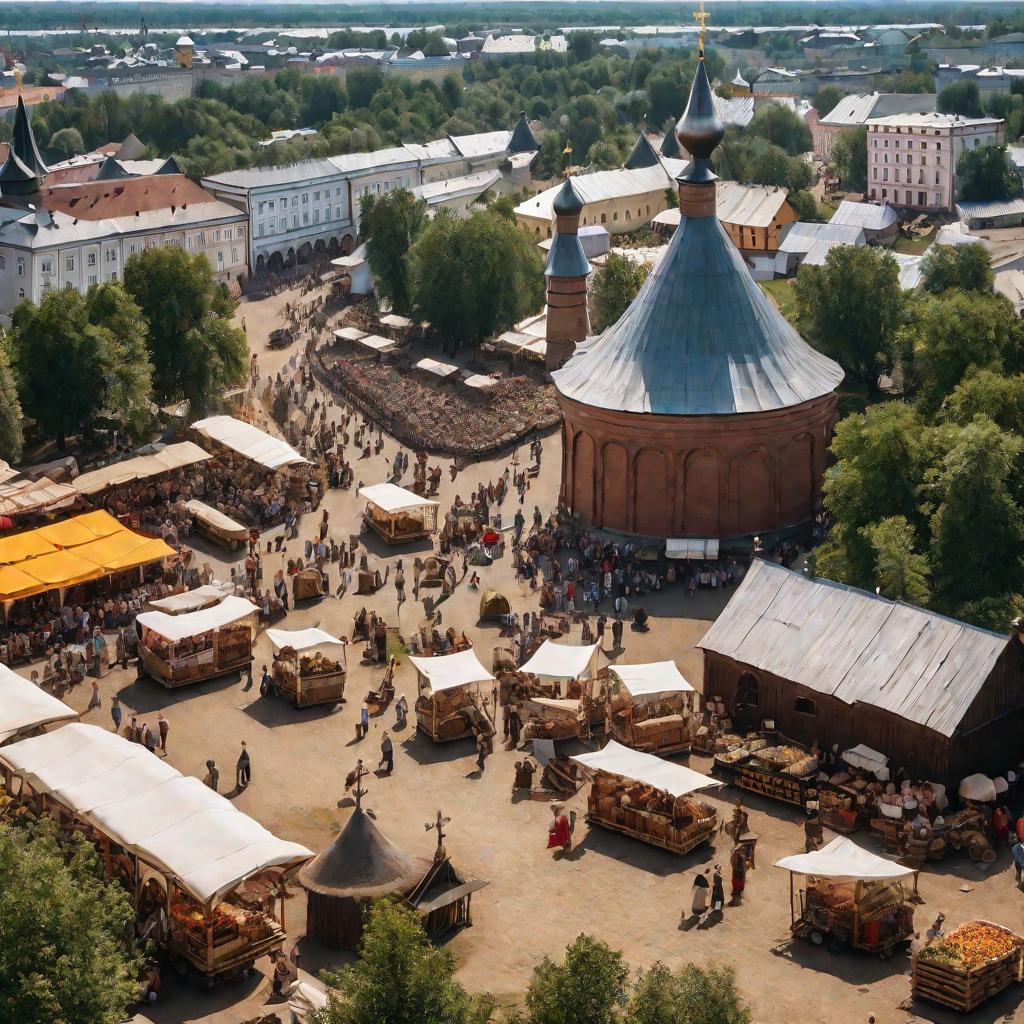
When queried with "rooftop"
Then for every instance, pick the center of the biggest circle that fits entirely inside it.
(599, 187)
(869, 216)
(859, 108)
(931, 120)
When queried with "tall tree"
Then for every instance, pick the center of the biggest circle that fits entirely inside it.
(966, 267)
(850, 309)
(989, 393)
(195, 350)
(589, 986)
(614, 288)
(850, 157)
(782, 127)
(11, 437)
(476, 277)
(390, 225)
(826, 98)
(399, 978)
(59, 362)
(63, 954)
(694, 995)
(986, 173)
(901, 571)
(960, 98)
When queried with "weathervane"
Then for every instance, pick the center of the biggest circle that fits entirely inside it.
(701, 17)
(439, 824)
(359, 771)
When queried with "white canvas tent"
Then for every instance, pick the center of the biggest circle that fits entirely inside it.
(699, 550)
(175, 824)
(560, 661)
(862, 756)
(249, 441)
(448, 671)
(437, 368)
(652, 679)
(192, 600)
(24, 706)
(301, 639)
(177, 627)
(349, 334)
(173, 456)
(843, 858)
(391, 498)
(674, 779)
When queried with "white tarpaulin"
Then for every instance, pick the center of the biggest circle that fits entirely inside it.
(214, 518)
(652, 679)
(349, 334)
(391, 498)
(171, 822)
(450, 670)
(702, 550)
(377, 343)
(862, 756)
(674, 779)
(437, 368)
(394, 321)
(560, 661)
(24, 706)
(173, 456)
(843, 858)
(300, 639)
(192, 600)
(979, 788)
(176, 627)
(249, 441)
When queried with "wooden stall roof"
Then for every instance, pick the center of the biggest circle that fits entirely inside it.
(856, 646)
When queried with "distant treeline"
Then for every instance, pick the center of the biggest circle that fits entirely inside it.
(532, 15)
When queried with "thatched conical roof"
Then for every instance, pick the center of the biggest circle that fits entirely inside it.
(362, 864)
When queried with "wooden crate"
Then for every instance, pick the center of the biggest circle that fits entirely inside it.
(960, 988)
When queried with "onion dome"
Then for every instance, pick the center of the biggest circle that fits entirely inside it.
(700, 130)
(642, 154)
(568, 201)
(740, 82)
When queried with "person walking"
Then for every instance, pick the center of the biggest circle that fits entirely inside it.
(1017, 850)
(515, 725)
(163, 727)
(738, 863)
(387, 755)
(94, 700)
(212, 775)
(617, 633)
(401, 711)
(266, 683)
(248, 677)
(701, 892)
(115, 712)
(243, 769)
(717, 890)
(121, 648)
(364, 720)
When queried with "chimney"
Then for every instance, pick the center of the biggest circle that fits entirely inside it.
(568, 319)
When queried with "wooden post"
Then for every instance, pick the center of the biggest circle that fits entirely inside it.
(282, 903)
(792, 915)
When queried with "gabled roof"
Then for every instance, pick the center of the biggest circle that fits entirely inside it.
(854, 110)
(481, 144)
(100, 199)
(803, 236)
(599, 186)
(856, 646)
(869, 216)
(642, 154)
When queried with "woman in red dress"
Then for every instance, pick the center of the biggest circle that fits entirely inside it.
(1001, 825)
(559, 833)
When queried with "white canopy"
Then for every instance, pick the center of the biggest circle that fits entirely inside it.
(249, 441)
(392, 498)
(393, 320)
(176, 627)
(190, 601)
(862, 756)
(979, 788)
(301, 639)
(377, 343)
(451, 670)
(437, 368)
(349, 334)
(164, 460)
(843, 858)
(173, 823)
(213, 517)
(480, 381)
(24, 706)
(674, 779)
(560, 661)
(652, 679)
(704, 550)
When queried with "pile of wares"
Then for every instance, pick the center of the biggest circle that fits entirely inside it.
(973, 944)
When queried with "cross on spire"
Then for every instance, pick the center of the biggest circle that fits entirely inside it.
(701, 17)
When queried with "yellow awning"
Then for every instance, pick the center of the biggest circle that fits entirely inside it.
(14, 584)
(151, 551)
(83, 529)
(23, 545)
(100, 523)
(62, 569)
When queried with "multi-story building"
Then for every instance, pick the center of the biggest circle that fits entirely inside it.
(80, 233)
(912, 157)
(856, 110)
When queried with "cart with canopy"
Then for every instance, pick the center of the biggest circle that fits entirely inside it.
(397, 515)
(216, 526)
(649, 707)
(179, 649)
(205, 596)
(449, 689)
(852, 898)
(649, 798)
(549, 715)
(305, 669)
(25, 709)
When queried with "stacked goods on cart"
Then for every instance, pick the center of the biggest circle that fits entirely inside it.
(778, 759)
(972, 963)
(234, 642)
(726, 741)
(318, 664)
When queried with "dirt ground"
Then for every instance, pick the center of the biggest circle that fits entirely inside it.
(629, 894)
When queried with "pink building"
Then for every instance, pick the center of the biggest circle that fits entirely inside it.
(912, 157)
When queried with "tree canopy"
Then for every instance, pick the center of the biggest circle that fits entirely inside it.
(850, 157)
(986, 174)
(966, 267)
(12, 438)
(960, 98)
(390, 224)
(782, 127)
(614, 287)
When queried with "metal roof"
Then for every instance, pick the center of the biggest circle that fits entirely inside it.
(739, 110)
(750, 205)
(858, 108)
(802, 236)
(700, 338)
(599, 187)
(856, 646)
(864, 215)
(818, 252)
(990, 208)
(281, 174)
(481, 144)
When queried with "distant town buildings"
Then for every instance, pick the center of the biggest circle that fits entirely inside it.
(856, 110)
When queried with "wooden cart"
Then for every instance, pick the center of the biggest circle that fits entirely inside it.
(216, 526)
(783, 773)
(195, 657)
(396, 515)
(304, 672)
(449, 705)
(649, 707)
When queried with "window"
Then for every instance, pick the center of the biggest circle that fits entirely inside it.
(113, 275)
(240, 232)
(111, 256)
(938, 180)
(90, 260)
(46, 266)
(316, 197)
(21, 266)
(69, 263)
(216, 235)
(874, 173)
(273, 225)
(295, 220)
(234, 255)
(938, 199)
(885, 174)
(220, 256)
(337, 213)
(270, 206)
(885, 192)
(746, 691)
(604, 218)
(92, 279)
(3, 262)
(131, 250)
(262, 207)
(305, 198)
(337, 192)
(305, 216)
(805, 706)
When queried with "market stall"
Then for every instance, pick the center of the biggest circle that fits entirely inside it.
(784, 772)
(397, 515)
(447, 706)
(25, 708)
(207, 881)
(649, 798)
(304, 671)
(216, 526)
(560, 661)
(205, 596)
(852, 898)
(143, 467)
(179, 649)
(649, 707)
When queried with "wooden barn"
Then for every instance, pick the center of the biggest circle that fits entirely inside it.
(837, 665)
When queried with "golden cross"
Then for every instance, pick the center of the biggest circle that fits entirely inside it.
(701, 17)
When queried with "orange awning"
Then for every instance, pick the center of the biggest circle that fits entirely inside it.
(62, 569)
(20, 546)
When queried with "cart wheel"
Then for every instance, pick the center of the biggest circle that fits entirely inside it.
(816, 937)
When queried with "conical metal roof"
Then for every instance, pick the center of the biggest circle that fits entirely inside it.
(23, 141)
(642, 154)
(362, 864)
(523, 140)
(110, 170)
(670, 144)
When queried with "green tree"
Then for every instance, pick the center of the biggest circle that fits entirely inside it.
(991, 394)
(850, 309)
(583, 45)
(195, 350)
(826, 98)
(850, 157)
(960, 98)
(128, 372)
(986, 173)
(966, 267)
(604, 155)
(67, 142)
(390, 225)
(63, 958)
(589, 986)
(694, 995)
(901, 572)
(11, 436)
(805, 206)
(782, 127)
(614, 287)
(477, 277)
(59, 362)
(399, 978)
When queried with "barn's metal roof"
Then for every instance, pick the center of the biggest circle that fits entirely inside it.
(856, 646)
(869, 216)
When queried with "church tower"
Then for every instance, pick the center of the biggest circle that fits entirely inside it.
(568, 320)
(23, 171)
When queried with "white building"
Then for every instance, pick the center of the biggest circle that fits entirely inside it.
(856, 110)
(912, 157)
